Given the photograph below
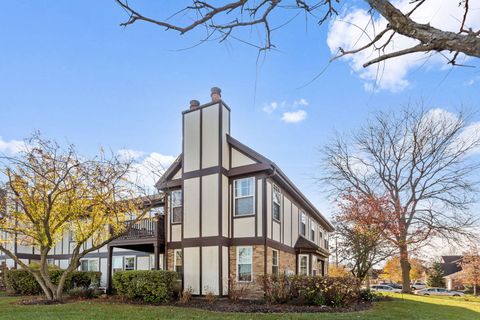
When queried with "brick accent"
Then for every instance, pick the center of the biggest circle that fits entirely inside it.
(287, 261)
(255, 288)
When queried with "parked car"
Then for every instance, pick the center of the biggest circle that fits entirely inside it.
(438, 292)
(384, 288)
(418, 285)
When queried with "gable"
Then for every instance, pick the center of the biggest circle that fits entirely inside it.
(177, 175)
(240, 159)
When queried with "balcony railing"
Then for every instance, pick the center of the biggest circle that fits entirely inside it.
(144, 228)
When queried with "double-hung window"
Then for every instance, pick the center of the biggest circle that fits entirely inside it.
(129, 263)
(303, 265)
(277, 197)
(325, 242)
(303, 224)
(244, 264)
(178, 262)
(312, 231)
(176, 203)
(244, 195)
(275, 262)
(89, 265)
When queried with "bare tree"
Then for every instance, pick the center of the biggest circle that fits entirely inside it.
(422, 162)
(52, 191)
(220, 22)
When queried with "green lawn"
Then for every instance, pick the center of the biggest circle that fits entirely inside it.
(410, 307)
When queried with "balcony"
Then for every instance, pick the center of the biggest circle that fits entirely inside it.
(146, 230)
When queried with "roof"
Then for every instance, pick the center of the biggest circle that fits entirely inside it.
(281, 177)
(265, 164)
(451, 264)
(450, 259)
(304, 245)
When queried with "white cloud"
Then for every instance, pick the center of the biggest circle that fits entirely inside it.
(147, 168)
(127, 154)
(12, 146)
(294, 116)
(300, 102)
(354, 29)
(272, 106)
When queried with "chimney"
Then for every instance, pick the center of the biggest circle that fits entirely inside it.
(216, 94)
(194, 104)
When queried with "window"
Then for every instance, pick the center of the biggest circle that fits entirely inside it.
(277, 196)
(178, 262)
(320, 234)
(71, 236)
(51, 262)
(89, 265)
(326, 243)
(303, 224)
(129, 263)
(312, 232)
(275, 262)
(176, 203)
(244, 196)
(244, 264)
(303, 265)
(117, 264)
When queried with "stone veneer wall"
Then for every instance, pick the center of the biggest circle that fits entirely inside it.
(255, 288)
(287, 261)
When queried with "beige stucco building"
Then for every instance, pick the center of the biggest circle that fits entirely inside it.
(232, 214)
(224, 214)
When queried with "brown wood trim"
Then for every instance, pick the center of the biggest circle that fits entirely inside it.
(280, 246)
(249, 169)
(216, 241)
(205, 172)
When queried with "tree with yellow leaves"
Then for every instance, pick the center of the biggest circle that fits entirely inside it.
(392, 270)
(52, 190)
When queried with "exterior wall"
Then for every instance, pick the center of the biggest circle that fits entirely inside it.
(239, 159)
(253, 288)
(210, 205)
(191, 205)
(191, 141)
(210, 133)
(286, 261)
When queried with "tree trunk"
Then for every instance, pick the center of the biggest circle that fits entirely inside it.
(475, 289)
(405, 266)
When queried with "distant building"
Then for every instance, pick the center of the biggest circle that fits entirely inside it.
(452, 272)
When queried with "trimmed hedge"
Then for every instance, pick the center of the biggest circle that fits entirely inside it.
(311, 290)
(154, 286)
(22, 282)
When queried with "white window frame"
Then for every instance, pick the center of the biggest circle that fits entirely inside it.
(251, 264)
(277, 262)
(113, 263)
(134, 262)
(88, 260)
(276, 189)
(312, 231)
(303, 221)
(235, 197)
(176, 206)
(300, 256)
(175, 262)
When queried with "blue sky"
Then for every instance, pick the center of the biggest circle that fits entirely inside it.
(69, 70)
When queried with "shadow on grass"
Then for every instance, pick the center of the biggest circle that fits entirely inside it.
(416, 307)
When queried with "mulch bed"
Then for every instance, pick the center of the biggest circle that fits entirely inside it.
(218, 305)
(247, 306)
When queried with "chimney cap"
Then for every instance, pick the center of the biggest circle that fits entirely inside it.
(216, 90)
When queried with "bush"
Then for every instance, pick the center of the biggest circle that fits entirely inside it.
(311, 290)
(154, 286)
(22, 282)
(278, 289)
(84, 293)
(368, 295)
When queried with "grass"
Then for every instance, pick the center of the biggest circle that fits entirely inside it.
(408, 307)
